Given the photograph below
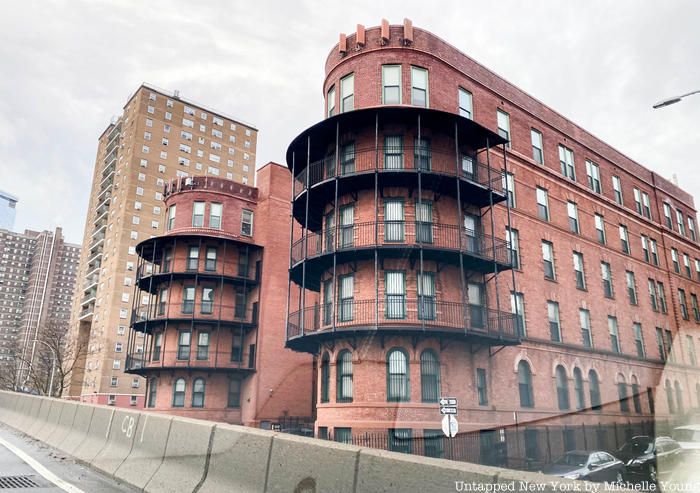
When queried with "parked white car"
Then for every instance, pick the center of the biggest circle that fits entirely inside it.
(688, 437)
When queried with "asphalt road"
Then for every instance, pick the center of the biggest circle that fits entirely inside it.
(25, 460)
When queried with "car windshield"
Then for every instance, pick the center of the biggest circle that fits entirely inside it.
(638, 446)
(578, 460)
(686, 435)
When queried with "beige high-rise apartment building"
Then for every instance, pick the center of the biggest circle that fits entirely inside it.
(159, 136)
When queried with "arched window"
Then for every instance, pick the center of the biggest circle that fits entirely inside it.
(594, 390)
(179, 393)
(343, 369)
(622, 394)
(429, 376)
(562, 388)
(636, 398)
(398, 382)
(198, 387)
(152, 390)
(578, 389)
(525, 385)
(669, 397)
(679, 397)
(325, 376)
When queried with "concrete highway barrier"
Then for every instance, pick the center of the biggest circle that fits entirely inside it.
(159, 453)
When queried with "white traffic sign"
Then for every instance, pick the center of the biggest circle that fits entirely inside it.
(450, 426)
(448, 401)
(448, 410)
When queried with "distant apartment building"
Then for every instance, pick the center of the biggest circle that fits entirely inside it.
(37, 279)
(8, 204)
(159, 137)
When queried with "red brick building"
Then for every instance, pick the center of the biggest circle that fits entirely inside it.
(429, 178)
(210, 297)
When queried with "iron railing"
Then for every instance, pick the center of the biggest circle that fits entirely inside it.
(401, 313)
(199, 311)
(194, 357)
(406, 158)
(409, 233)
(183, 266)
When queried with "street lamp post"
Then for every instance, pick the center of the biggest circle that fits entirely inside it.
(53, 365)
(673, 100)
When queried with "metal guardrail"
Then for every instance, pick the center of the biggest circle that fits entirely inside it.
(199, 311)
(397, 313)
(408, 233)
(193, 356)
(405, 158)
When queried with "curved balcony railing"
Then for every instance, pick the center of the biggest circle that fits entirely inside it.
(191, 357)
(402, 314)
(199, 311)
(406, 158)
(189, 268)
(402, 233)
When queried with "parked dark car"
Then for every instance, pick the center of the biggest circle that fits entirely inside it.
(644, 457)
(586, 465)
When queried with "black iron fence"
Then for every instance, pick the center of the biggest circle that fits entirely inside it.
(526, 448)
(399, 158)
(408, 233)
(399, 312)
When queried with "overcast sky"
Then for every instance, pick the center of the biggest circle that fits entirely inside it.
(68, 66)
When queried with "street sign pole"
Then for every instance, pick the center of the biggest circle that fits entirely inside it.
(448, 409)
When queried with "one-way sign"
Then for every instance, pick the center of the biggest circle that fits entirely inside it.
(448, 410)
(448, 401)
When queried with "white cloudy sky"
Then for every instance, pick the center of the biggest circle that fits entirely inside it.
(67, 66)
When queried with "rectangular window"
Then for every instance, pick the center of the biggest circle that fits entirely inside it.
(548, 260)
(553, 316)
(203, 346)
(236, 348)
(210, 262)
(624, 239)
(207, 300)
(395, 290)
(183, 344)
(566, 159)
(424, 221)
(614, 336)
(572, 210)
(645, 248)
(668, 345)
(393, 220)
(585, 321)
(646, 206)
(347, 93)
(346, 215)
(509, 186)
(654, 252)
(465, 104)
(234, 392)
(157, 346)
(513, 240)
(327, 302)
(662, 297)
(198, 215)
(606, 274)
(542, 204)
(215, 215)
(600, 228)
(674, 259)
(637, 200)
(330, 102)
(193, 258)
(393, 152)
(691, 229)
(347, 158)
(342, 435)
(247, 222)
(400, 440)
(578, 271)
(481, 389)
(517, 307)
(667, 216)
(694, 304)
(536, 139)
(690, 344)
(171, 216)
(426, 295)
(652, 295)
(188, 300)
(683, 303)
(419, 87)
(422, 157)
(593, 173)
(631, 287)
(503, 120)
(617, 190)
(686, 264)
(679, 221)
(660, 344)
(345, 298)
(391, 84)
(162, 301)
